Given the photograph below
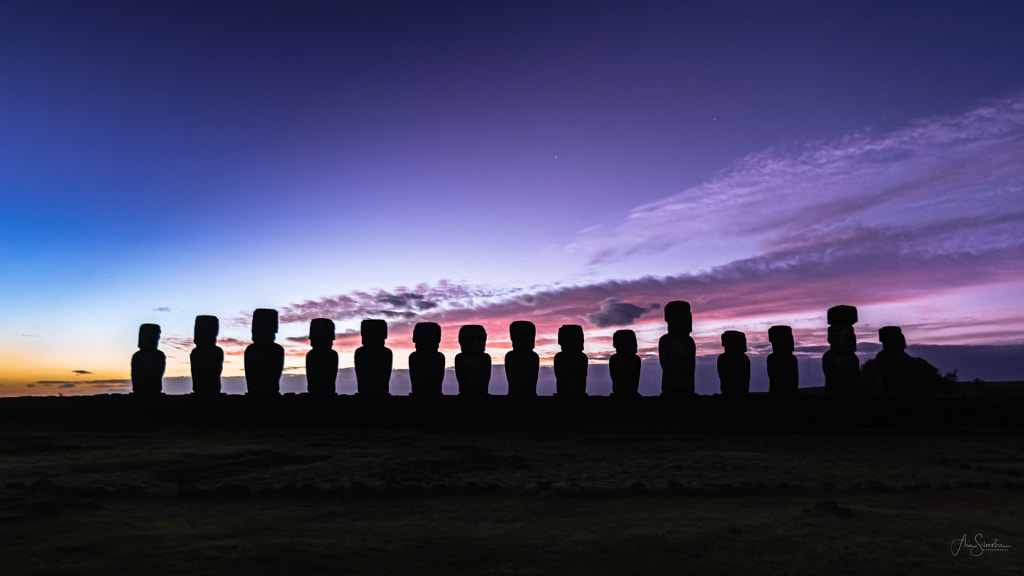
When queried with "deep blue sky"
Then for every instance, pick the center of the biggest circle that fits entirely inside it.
(211, 157)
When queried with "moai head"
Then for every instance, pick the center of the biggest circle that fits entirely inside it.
(149, 336)
(374, 332)
(321, 333)
(842, 315)
(892, 338)
(678, 317)
(734, 341)
(473, 338)
(523, 334)
(264, 325)
(781, 338)
(570, 338)
(426, 336)
(842, 339)
(624, 341)
(205, 333)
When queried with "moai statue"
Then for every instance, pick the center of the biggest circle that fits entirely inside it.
(206, 359)
(148, 363)
(426, 364)
(264, 358)
(783, 376)
(522, 365)
(840, 363)
(373, 360)
(322, 360)
(571, 363)
(624, 365)
(677, 352)
(895, 366)
(734, 365)
(473, 365)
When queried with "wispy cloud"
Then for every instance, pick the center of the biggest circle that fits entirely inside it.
(162, 309)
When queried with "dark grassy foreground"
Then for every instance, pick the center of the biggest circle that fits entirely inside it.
(111, 486)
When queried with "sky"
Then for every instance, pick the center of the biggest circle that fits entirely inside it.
(484, 162)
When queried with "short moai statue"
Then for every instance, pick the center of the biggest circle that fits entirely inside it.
(895, 366)
(264, 358)
(206, 359)
(148, 363)
(373, 360)
(571, 363)
(840, 362)
(677, 352)
(734, 365)
(472, 364)
(322, 359)
(783, 375)
(522, 364)
(624, 365)
(426, 364)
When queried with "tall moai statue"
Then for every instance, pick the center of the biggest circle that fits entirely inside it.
(624, 365)
(571, 363)
(677, 352)
(322, 359)
(522, 364)
(783, 375)
(473, 365)
(895, 366)
(206, 359)
(373, 360)
(734, 365)
(264, 358)
(840, 363)
(148, 363)
(426, 364)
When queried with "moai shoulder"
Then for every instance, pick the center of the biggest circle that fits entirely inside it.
(473, 364)
(426, 364)
(322, 359)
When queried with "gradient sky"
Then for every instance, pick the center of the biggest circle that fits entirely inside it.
(482, 162)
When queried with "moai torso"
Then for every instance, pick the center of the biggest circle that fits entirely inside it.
(264, 358)
(148, 363)
(373, 360)
(522, 364)
(571, 363)
(322, 360)
(840, 364)
(473, 365)
(206, 359)
(426, 364)
(734, 365)
(677, 352)
(783, 372)
(624, 365)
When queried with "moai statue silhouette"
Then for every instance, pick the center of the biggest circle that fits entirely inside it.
(783, 376)
(426, 364)
(522, 365)
(264, 358)
(895, 366)
(321, 360)
(473, 365)
(624, 365)
(571, 363)
(677, 352)
(733, 364)
(373, 360)
(148, 363)
(206, 359)
(840, 363)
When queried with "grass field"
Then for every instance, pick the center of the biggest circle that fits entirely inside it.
(293, 497)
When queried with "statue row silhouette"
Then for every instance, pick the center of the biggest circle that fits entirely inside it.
(264, 359)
